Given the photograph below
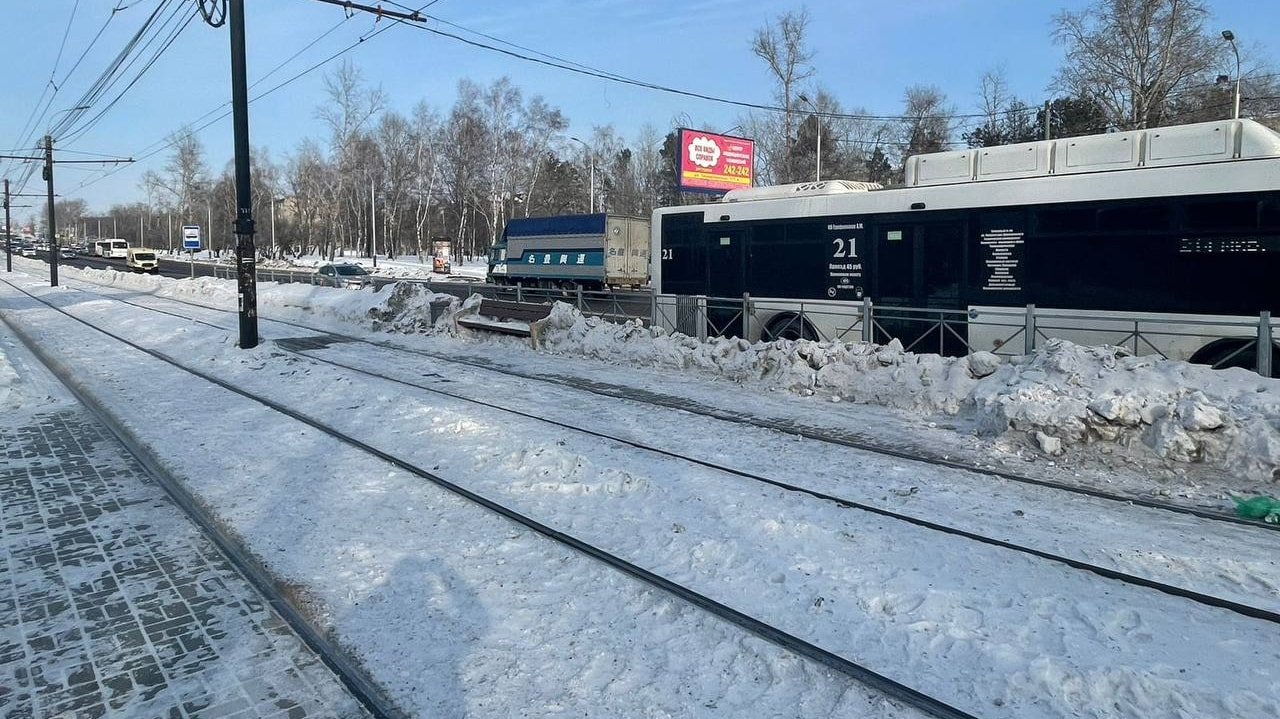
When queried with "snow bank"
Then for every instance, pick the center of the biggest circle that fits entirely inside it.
(1062, 398)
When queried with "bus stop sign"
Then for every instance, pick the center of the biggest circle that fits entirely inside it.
(191, 237)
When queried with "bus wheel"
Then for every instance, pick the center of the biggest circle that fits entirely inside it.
(789, 326)
(1221, 354)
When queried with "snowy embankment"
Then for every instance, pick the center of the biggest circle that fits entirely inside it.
(1060, 400)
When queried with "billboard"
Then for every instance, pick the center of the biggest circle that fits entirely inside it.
(714, 163)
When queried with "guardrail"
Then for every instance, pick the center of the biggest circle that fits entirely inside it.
(1216, 341)
(1228, 341)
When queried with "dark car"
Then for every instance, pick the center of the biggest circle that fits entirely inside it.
(343, 274)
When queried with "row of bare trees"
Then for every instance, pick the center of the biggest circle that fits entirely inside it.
(381, 180)
(1127, 64)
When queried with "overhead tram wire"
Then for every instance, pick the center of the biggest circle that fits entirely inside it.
(72, 134)
(111, 73)
(580, 68)
(103, 82)
(53, 73)
(164, 140)
(166, 33)
(165, 143)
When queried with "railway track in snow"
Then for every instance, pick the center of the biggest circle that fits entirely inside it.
(363, 688)
(307, 346)
(823, 435)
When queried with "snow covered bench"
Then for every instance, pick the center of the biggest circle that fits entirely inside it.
(523, 319)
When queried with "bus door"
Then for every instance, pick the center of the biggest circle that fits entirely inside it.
(920, 265)
(726, 252)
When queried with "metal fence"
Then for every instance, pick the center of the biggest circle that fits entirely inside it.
(1217, 341)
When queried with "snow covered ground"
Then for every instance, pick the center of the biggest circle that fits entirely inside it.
(404, 267)
(459, 613)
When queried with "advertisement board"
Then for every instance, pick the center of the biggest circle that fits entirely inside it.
(714, 163)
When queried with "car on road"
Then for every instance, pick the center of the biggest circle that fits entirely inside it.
(140, 259)
(343, 274)
(67, 253)
(28, 251)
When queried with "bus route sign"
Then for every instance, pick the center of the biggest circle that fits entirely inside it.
(191, 237)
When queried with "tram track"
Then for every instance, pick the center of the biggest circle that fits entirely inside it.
(768, 632)
(824, 435)
(305, 345)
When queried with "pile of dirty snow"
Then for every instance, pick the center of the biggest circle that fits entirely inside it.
(1062, 396)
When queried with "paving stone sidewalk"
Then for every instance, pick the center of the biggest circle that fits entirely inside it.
(112, 603)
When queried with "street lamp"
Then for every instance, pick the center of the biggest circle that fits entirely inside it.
(274, 200)
(592, 157)
(817, 175)
(1231, 38)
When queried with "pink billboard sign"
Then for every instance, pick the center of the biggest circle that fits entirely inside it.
(714, 163)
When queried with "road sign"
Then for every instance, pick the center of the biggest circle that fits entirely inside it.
(191, 237)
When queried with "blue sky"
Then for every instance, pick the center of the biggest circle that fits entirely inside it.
(866, 53)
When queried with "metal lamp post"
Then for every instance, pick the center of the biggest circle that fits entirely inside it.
(591, 156)
(1231, 38)
(817, 175)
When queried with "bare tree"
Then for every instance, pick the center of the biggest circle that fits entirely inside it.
(1131, 56)
(782, 47)
(350, 108)
(926, 120)
(183, 178)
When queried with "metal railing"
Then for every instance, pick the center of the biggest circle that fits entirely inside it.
(1217, 341)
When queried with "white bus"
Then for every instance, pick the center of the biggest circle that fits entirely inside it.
(111, 248)
(1164, 240)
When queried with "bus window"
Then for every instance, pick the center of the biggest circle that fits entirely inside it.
(943, 264)
(787, 260)
(1222, 215)
(1135, 218)
(895, 265)
(1071, 220)
(1269, 214)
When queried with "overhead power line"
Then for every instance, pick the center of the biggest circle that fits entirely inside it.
(164, 143)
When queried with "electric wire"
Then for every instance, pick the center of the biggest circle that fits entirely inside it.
(168, 142)
(75, 133)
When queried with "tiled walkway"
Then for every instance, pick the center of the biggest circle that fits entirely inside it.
(112, 603)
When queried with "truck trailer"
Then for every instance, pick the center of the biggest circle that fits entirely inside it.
(571, 251)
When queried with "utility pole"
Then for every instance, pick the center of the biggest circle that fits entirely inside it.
(53, 230)
(245, 251)
(8, 236)
(48, 178)
(246, 276)
(273, 225)
(1048, 117)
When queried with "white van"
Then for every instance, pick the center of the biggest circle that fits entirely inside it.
(140, 259)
